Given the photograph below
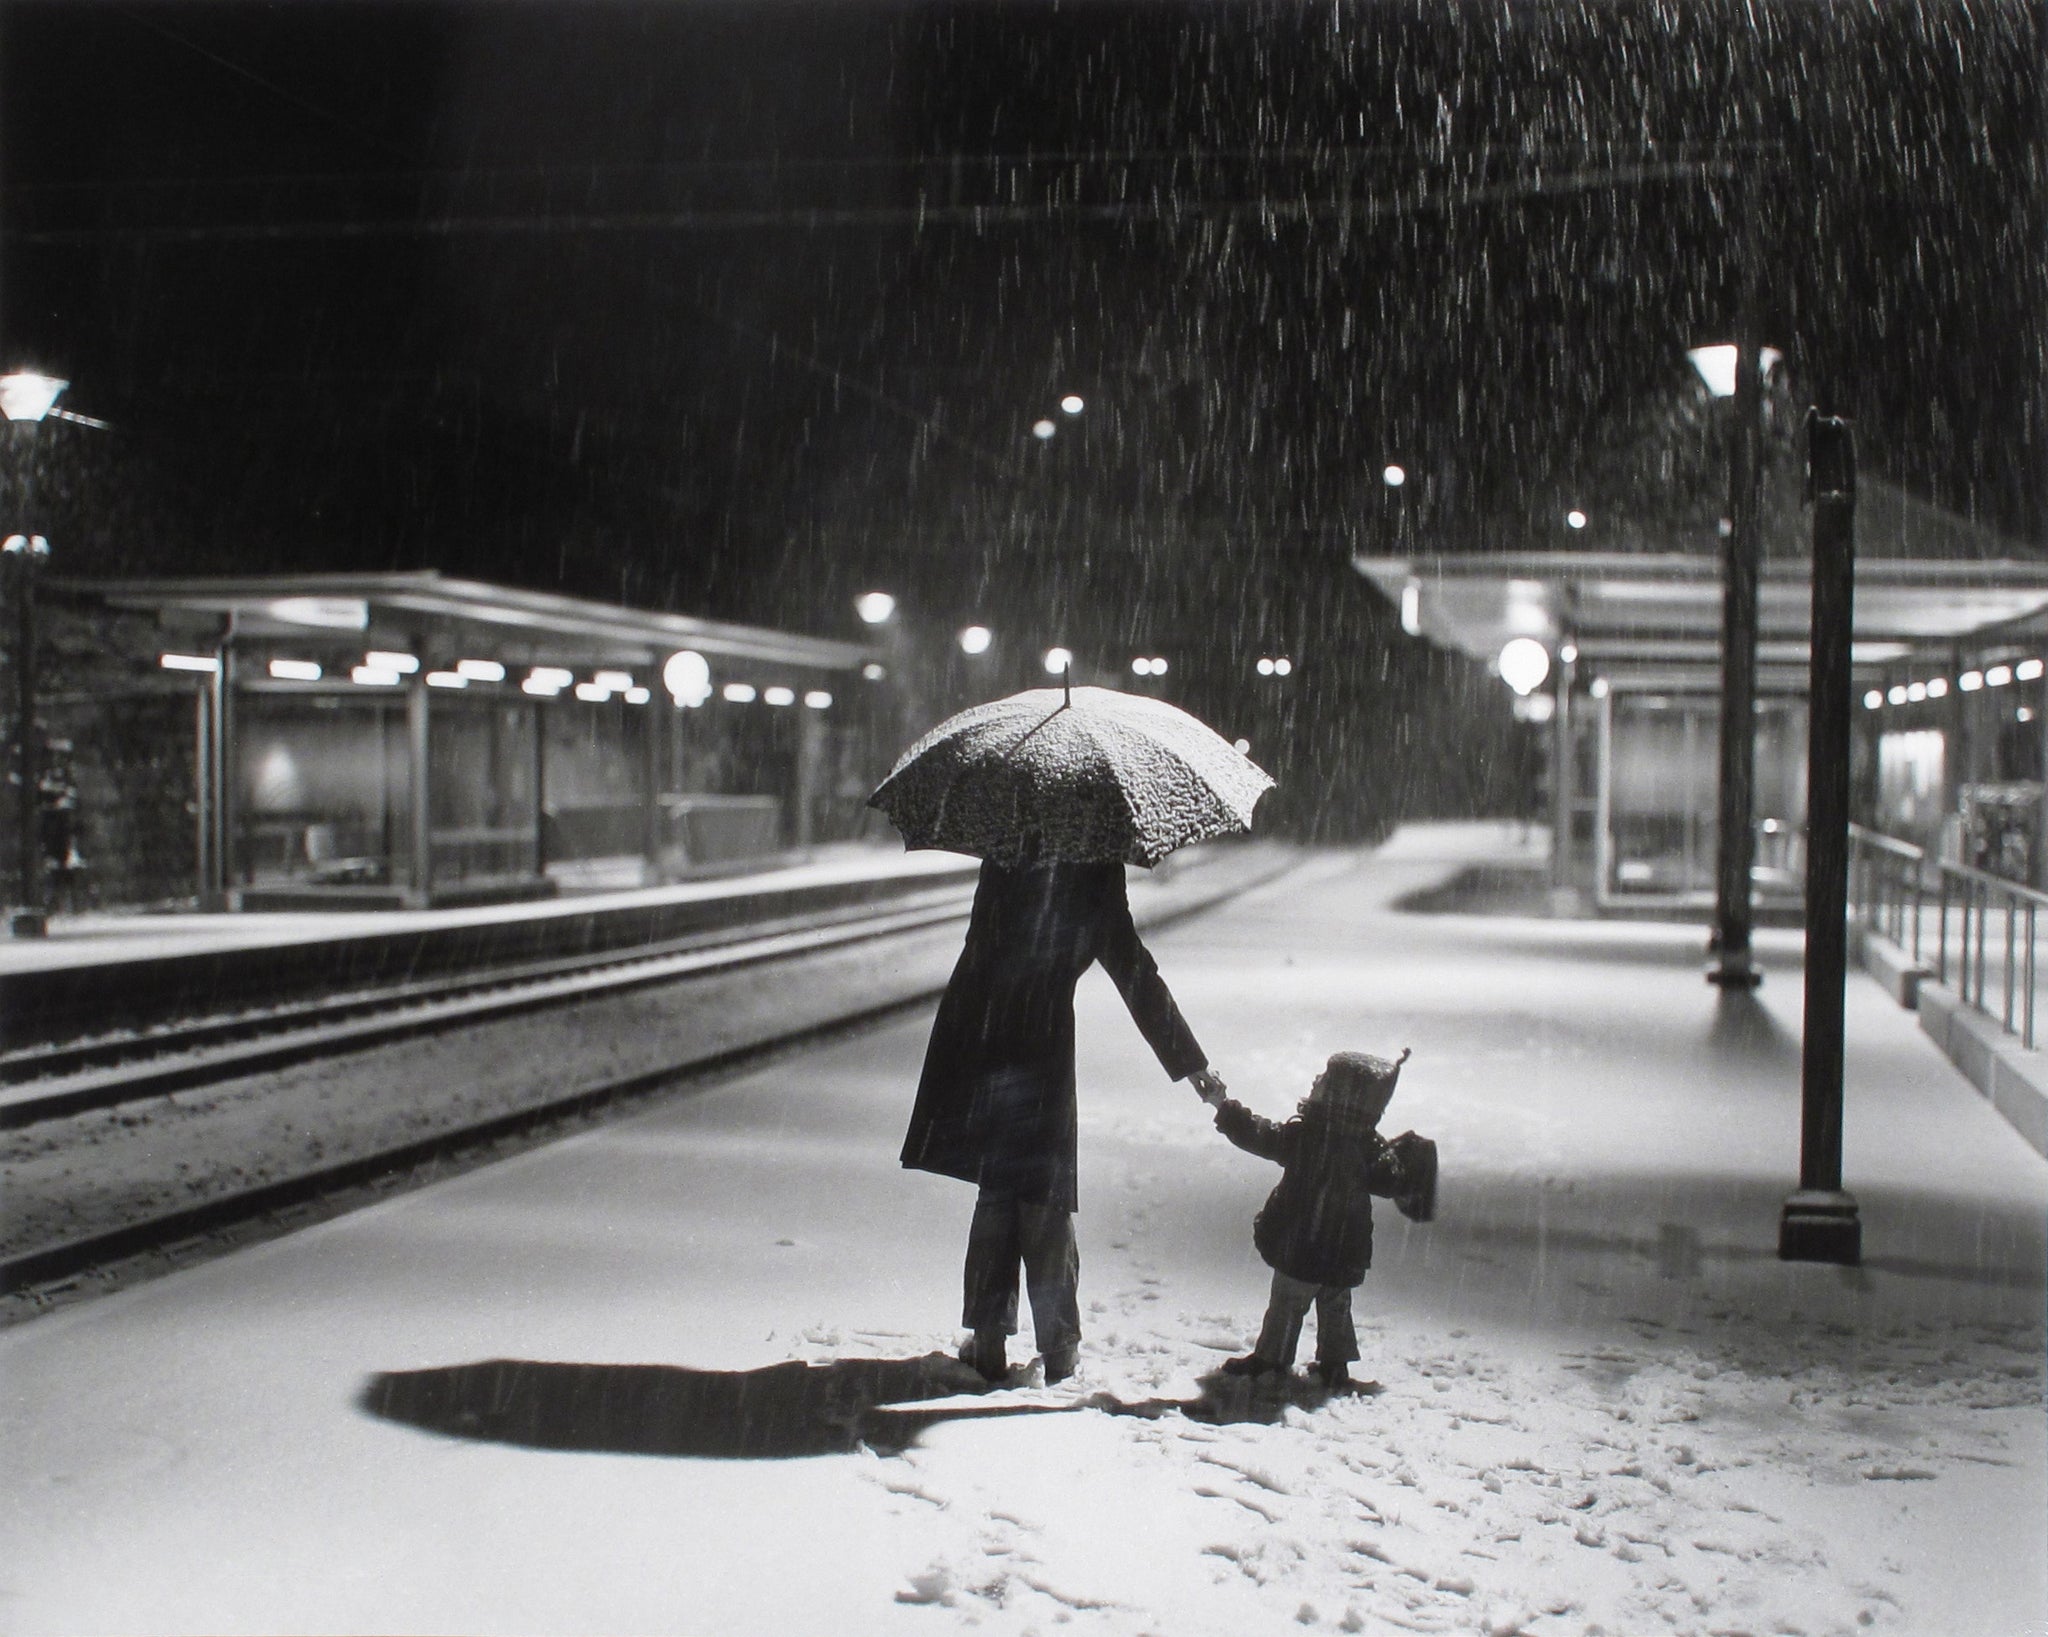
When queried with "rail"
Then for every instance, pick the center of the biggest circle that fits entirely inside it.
(1977, 932)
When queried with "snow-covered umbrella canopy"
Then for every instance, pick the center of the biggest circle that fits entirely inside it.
(1091, 775)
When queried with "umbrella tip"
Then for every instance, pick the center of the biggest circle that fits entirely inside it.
(1067, 682)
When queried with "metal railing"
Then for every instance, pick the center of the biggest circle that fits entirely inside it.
(1977, 933)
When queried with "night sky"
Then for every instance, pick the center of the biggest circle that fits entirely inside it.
(742, 309)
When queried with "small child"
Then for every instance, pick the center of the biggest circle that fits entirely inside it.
(1315, 1231)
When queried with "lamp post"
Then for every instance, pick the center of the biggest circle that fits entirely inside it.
(27, 398)
(1736, 372)
(1819, 1223)
(24, 555)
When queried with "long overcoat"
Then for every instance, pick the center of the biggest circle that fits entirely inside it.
(995, 1105)
(1316, 1225)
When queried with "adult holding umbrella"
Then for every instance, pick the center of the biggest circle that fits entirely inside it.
(1055, 790)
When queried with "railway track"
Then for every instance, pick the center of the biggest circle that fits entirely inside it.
(52, 1082)
(169, 1070)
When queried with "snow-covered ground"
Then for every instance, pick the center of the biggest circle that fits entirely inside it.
(1604, 1405)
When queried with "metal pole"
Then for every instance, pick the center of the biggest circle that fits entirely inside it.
(30, 919)
(1819, 1222)
(1735, 850)
(421, 888)
(650, 795)
(1563, 781)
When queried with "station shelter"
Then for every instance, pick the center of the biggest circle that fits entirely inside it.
(411, 740)
(1950, 654)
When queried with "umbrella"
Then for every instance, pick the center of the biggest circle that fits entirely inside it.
(1083, 775)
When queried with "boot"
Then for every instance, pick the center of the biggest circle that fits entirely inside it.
(1252, 1365)
(986, 1354)
(1060, 1363)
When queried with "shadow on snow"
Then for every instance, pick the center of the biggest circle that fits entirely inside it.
(777, 1411)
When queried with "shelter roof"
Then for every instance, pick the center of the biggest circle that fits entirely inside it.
(402, 609)
(1927, 582)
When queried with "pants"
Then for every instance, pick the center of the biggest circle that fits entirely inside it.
(1007, 1232)
(1336, 1340)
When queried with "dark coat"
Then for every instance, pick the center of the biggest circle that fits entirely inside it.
(1317, 1224)
(995, 1105)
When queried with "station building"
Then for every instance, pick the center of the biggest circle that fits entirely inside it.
(405, 739)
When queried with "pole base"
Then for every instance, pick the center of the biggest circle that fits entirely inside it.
(1735, 974)
(29, 923)
(1820, 1225)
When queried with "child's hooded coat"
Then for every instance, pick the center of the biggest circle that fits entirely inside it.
(1317, 1224)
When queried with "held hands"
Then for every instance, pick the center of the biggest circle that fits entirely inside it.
(1208, 1086)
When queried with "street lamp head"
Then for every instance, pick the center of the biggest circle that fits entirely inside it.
(874, 606)
(975, 639)
(1524, 663)
(27, 396)
(26, 545)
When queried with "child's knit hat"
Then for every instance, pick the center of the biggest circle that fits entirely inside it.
(1359, 1085)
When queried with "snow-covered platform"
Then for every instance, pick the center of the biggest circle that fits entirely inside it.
(635, 1381)
(97, 971)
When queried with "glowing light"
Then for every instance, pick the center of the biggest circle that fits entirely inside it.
(446, 679)
(1058, 660)
(27, 396)
(540, 688)
(2024, 714)
(1717, 366)
(480, 670)
(1576, 518)
(1141, 667)
(617, 681)
(1599, 689)
(549, 677)
(637, 695)
(1970, 681)
(874, 606)
(374, 676)
(739, 693)
(295, 670)
(818, 699)
(687, 677)
(1568, 654)
(1072, 404)
(1244, 747)
(189, 662)
(1265, 667)
(1411, 608)
(1393, 477)
(1524, 663)
(1998, 676)
(1873, 699)
(1041, 430)
(974, 639)
(591, 693)
(1937, 687)
(1283, 666)
(2027, 670)
(26, 545)
(404, 664)
(1896, 693)
(778, 696)
(872, 672)
(1915, 692)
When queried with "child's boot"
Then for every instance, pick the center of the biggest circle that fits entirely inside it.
(1252, 1365)
(1336, 1378)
